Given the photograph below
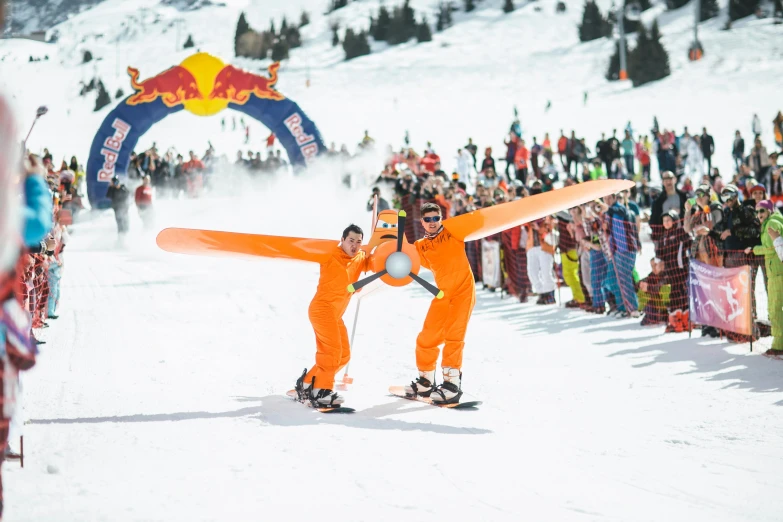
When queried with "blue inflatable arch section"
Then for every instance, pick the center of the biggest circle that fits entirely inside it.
(123, 126)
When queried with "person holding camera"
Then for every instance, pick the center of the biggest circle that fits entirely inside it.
(382, 203)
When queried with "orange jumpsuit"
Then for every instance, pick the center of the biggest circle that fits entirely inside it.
(447, 318)
(326, 315)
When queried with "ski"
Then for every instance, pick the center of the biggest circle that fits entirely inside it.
(399, 391)
(326, 409)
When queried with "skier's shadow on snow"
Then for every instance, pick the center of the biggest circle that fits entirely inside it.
(746, 371)
(276, 410)
(282, 411)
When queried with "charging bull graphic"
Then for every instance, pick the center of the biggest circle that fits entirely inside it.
(237, 85)
(174, 86)
(202, 85)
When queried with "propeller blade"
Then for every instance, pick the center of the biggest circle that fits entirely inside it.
(432, 289)
(366, 281)
(400, 229)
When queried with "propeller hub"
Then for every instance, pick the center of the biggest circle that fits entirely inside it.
(398, 265)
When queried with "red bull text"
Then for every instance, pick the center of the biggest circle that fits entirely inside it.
(306, 142)
(111, 149)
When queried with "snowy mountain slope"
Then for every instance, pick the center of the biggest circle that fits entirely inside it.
(26, 16)
(464, 83)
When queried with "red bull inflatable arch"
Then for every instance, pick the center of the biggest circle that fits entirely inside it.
(204, 85)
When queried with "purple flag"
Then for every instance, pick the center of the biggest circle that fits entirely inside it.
(720, 297)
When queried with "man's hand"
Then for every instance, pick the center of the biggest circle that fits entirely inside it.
(725, 234)
(33, 166)
(748, 250)
(688, 206)
(643, 286)
(774, 234)
(702, 231)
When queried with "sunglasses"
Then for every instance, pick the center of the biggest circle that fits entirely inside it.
(761, 211)
(433, 219)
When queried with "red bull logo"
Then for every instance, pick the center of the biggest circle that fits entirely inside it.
(236, 85)
(175, 86)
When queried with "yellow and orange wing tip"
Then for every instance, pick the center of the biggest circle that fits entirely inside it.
(491, 220)
(218, 243)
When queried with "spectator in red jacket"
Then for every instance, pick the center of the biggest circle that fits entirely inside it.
(144, 202)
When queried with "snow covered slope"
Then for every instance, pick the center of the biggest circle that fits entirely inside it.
(159, 397)
(463, 83)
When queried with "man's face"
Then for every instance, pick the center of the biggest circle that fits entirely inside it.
(668, 184)
(351, 243)
(762, 214)
(431, 221)
(667, 222)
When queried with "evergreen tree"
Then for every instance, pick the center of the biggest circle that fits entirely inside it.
(777, 9)
(284, 26)
(708, 9)
(242, 28)
(280, 50)
(508, 6)
(397, 31)
(188, 43)
(423, 31)
(338, 4)
(292, 37)
(613, 74)
(594, 25)
(355, 45)
(119, 94)
(649, 61)
(469, 6)
(409, 17)
(742, 8)
(103, 98)
(304, 19)
(272, 28)
(86, 57)
(381, 33)
(629, 26)
(335, 36)
(444, 16)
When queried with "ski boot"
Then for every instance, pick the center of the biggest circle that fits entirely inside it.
(421, 387)
(317, 397)
(450, 390)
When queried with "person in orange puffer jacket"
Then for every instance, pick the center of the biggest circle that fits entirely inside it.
(521, 161)
(344, 266)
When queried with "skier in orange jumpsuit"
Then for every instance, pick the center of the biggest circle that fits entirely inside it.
(326, 311)
(447, 319)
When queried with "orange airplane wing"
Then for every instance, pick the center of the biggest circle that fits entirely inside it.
(491, 220)
(217, 243)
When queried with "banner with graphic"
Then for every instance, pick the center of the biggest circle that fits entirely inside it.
(490, 263)
(203, 85)
(720, 297)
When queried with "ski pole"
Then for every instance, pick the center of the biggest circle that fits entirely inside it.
(346, 378)
(40, 112)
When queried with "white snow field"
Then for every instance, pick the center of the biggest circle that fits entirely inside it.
(159, 396)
